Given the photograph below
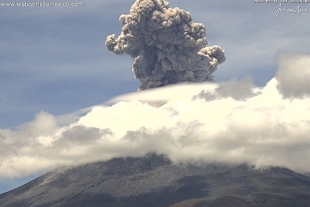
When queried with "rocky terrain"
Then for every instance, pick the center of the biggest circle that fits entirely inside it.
(154, 181)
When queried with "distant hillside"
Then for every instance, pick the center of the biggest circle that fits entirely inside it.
(154, 181)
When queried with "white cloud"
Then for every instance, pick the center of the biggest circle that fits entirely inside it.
(239, 90)
(294, 75)
(259, 127)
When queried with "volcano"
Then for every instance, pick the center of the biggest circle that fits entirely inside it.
(153, 180)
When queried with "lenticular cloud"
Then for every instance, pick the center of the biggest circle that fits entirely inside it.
(194, 123)
(167, 46)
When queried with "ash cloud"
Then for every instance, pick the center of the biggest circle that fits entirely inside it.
(167, 46)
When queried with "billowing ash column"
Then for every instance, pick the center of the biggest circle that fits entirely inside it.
(167, 46)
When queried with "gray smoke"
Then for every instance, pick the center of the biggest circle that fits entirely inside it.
(167, 46)
(238, 90)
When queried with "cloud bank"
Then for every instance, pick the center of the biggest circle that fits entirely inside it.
(232, 122)
(167, 46)
(294, 75)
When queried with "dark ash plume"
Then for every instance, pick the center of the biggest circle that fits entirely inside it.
(167, 46)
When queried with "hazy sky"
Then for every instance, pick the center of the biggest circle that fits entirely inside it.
(54, 59)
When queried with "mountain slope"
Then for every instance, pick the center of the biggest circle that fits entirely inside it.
(154, 181)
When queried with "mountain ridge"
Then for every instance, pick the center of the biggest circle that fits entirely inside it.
(153, 180)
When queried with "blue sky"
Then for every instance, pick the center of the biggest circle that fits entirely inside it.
(54, 58)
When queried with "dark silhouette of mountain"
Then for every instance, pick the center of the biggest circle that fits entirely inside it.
(153, 180)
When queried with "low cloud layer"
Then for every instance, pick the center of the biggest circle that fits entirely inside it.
(167, 46)
(189, 123)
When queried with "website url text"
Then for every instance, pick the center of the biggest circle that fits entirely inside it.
(42, 4)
